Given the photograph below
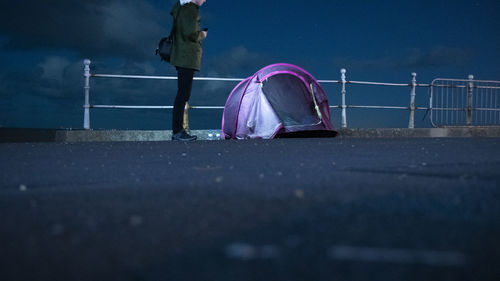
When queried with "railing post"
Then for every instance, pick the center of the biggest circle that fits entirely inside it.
(344, 113)
(470, 99)
(185, 123)
(411, 123)
(86, 114)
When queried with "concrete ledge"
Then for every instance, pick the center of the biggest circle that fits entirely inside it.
(127, 135)
(53, 135)
(456, 132)
(112, 135)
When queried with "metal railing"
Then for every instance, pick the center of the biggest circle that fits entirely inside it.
(412, 85)
(456, 102)
(87, 106)
(411, 108)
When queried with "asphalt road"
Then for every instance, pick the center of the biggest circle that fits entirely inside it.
(287, 209)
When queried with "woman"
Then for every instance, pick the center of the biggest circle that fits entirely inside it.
(186, 57)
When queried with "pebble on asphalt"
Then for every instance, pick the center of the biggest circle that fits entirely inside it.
(244, 251)
(136, 220)
(299, 193)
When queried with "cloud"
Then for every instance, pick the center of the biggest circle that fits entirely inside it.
(238, 62)
(54, 78)
(91, 28)
(51, 94)
(436, 57)
(53, 68)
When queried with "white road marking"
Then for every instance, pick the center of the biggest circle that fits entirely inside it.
(406, 256)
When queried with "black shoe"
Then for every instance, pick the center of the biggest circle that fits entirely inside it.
(183, 136)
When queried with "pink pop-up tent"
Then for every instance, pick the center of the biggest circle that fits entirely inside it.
(280, 100)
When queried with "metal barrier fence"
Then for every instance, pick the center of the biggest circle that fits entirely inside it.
(456, 102)
(411, 108)
(412, 85)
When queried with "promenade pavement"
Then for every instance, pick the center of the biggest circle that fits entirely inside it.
(284, 209)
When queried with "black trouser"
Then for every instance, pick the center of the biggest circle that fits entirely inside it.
(184, 85)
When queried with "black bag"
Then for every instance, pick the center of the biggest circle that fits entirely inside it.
(165, 48)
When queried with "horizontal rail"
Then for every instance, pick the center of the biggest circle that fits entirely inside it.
(464, 80)
(449, 86)
(175, 78)
(464, 109)
(486, 87)
(329, 81)
(378, 83)
(379, 107)
(163, 77)
(153, 106)
(486, 109)
(464, 86)
(134, 106)
(222, 107)
(206, 107)
(387, 84)
(241, 79)
(133, 76)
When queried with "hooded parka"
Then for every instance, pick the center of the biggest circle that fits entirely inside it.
(187, 49)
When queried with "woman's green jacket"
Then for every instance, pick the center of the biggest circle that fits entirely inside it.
(187, 49)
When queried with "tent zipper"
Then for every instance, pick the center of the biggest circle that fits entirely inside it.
(315, 103)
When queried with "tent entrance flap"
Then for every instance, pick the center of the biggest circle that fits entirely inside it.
(291, 99)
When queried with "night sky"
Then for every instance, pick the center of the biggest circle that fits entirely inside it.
(43, 44)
